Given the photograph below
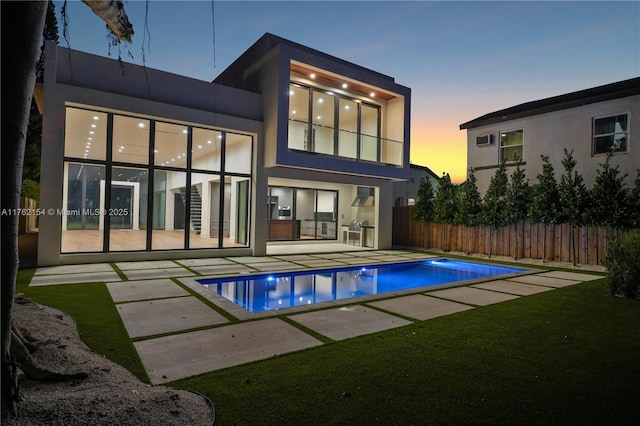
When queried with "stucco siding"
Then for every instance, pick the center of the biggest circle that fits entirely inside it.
(548, 134)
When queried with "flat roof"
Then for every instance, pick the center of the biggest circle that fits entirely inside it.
(265, 44)
(620, 89)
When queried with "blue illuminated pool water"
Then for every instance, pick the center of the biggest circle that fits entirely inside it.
(267, 292)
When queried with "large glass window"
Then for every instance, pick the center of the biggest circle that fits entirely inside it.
(196, 199)
(170, 145)
(83, 226)
(610, 134)
(85, 134)
(128, 209)
(238, 216)
(172, 193)
(301, 214)
(348, 129)
(130, 140)
(511, 145)
(299, 118)
(323, 119)
(237, 158)
(370, 136)
(333, 124)
(207, 149)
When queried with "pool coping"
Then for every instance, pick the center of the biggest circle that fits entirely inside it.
(242, 314)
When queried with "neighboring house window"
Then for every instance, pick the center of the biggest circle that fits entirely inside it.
(511, 145)
(610, 134)
(411, 202)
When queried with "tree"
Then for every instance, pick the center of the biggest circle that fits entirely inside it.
(20, 48)
(444, 204)
(424, 202)
(545, 200)
(469, 205)
(31, 167)
(609, 199)
(494, 203)
(573, 197)
(517, 201)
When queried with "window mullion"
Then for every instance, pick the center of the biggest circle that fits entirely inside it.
(107, 186)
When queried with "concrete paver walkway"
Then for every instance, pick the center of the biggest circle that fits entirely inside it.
(187, 354)
(152, 301)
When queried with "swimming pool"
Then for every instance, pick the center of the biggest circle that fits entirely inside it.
(268, 292)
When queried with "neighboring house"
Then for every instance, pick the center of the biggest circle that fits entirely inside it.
(590, 122)
(286, 145)
(406, 192)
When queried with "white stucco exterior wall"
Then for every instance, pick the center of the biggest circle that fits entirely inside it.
(548, 134)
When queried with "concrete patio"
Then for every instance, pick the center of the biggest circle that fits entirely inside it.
(179, 329)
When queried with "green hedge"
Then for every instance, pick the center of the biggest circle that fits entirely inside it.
(623, 266)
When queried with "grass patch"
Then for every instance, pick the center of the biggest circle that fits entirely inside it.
(98, 321)
(568, 356)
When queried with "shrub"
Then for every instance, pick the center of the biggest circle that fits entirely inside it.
(621, 260)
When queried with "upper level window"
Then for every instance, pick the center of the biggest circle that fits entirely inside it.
(610, 134)
(511, 145)
(329, 123)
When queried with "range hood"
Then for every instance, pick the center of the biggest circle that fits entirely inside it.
(364, 198)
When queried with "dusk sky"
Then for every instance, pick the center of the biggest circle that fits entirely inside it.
(461, 59)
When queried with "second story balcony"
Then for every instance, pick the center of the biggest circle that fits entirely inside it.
(320, 139)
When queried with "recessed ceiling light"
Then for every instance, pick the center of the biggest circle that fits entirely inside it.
(90, 139)
(122, 147)
(312, 75)
(93, 125)
(346, 107)
(293, 112)
(155, 150)
(320, 100)
(141, 125)
(199, 146)
(208, 141)
(290, 92)
(319, 118)
(373, 95)
(95, 117)
(184, 131)
(92, 132)
(345, 85)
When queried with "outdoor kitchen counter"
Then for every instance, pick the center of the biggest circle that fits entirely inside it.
(362, 236)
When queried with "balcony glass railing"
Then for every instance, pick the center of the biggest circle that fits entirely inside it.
(372, 148)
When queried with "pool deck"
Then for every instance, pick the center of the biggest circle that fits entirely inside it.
(181, 329)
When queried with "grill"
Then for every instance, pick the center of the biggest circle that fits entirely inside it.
(356, 225)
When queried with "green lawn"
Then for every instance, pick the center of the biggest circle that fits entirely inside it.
(567, 356)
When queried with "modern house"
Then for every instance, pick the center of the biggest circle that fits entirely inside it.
(405, 192)
(288, 145)
(591, 122)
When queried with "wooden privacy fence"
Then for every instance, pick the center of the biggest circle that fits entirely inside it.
(591, 242)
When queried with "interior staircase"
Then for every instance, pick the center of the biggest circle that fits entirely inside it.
(196, 208)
